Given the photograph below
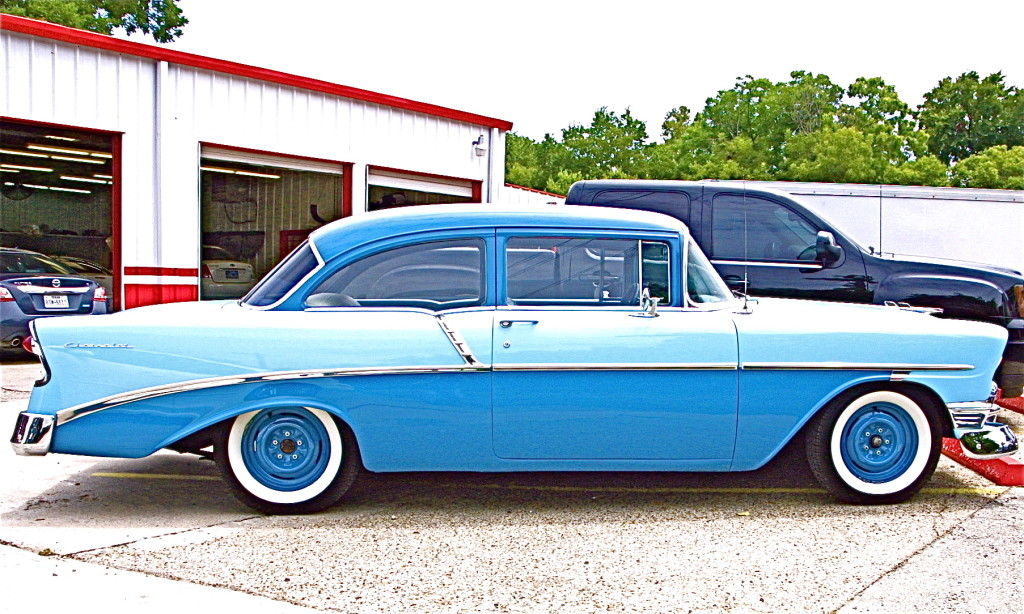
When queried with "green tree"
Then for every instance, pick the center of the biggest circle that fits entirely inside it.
(844, 155)
(806, 128)
(927, 170)
(967, 115)
(770, 114)
(998, 167)
(532, 164)
(611, 144)
(160, 18)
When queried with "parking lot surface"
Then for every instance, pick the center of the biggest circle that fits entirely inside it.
(164, 532)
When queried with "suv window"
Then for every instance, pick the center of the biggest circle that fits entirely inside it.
(752, 228)
(433, 275)
(675, 204)
(584, 271)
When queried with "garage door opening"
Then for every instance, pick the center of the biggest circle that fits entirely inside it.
(57, 196)
(388, 189)
(255, 208)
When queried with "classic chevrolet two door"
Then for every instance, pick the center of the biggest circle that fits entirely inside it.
(583, 371)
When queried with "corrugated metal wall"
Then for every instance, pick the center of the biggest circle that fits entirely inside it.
(165, 113)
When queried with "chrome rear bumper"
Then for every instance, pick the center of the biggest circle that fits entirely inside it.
(980, 436)
(32, 434)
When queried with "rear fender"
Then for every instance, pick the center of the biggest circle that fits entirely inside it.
(225, 416)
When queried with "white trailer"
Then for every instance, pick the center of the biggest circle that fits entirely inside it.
(956, 223)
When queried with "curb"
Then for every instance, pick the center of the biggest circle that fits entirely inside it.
(1000, 471)
(1015, 404)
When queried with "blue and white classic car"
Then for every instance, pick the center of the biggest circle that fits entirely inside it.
(479, 338)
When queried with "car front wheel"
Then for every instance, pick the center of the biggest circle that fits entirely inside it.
(287, 460)
(879, 446)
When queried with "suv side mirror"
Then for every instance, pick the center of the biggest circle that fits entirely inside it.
(826, 250)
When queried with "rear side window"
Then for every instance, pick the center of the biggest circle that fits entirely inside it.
(752, 228)
(584, 271)
(675, 204)
(434, 275)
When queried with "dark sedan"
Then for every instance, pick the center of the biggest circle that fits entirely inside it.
(33, 285)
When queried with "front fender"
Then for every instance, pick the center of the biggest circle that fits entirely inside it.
(959, 297)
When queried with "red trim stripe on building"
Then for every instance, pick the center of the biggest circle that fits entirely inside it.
(161, 271)
(64, 34)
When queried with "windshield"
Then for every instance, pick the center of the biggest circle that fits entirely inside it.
(703, 284)
(285, 276)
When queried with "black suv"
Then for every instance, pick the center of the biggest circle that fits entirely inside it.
(766, 243)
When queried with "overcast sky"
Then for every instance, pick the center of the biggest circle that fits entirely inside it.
(546, 64)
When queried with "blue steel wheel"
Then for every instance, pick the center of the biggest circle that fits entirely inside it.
(287, 460)
(880, 446)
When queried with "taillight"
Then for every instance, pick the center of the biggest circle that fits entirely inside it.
(5, 295)
(205, 271)
(100, 295)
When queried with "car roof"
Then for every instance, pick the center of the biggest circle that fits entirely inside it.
(667, 185)
(349, 232)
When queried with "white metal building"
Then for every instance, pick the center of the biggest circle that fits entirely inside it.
(137, 157)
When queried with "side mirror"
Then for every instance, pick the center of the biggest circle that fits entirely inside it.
(826, 250)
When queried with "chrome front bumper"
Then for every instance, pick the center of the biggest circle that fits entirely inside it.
(32, 434)
(980, 436)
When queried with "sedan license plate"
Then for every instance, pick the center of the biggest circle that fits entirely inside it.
(55, 301)
(231, 274)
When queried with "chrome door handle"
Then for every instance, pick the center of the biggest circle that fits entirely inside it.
(508, 323)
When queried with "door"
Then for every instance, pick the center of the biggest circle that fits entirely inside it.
(764, 248)
(582, 372)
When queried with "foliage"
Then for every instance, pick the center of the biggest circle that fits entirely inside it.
(610, 144)
(160, 18)
(968, 114)
(928, 171)
(804, 129)
(996, 167)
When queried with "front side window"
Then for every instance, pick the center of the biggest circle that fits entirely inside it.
(703, 284)
(434, 275)
(751, 228)
(584, 271)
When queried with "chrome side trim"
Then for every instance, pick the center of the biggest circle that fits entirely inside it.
(654, 366)
(460, 344)
(72, 413)
(781, 265)
(52, 290)
(900, 368)
(472, 365)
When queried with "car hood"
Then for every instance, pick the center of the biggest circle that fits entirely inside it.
(781, 331)
(958, 264)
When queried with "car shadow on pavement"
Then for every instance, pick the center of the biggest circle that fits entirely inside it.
(169, 489)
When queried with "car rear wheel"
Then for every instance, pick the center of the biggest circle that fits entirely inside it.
(878, 446)
(287, 460)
